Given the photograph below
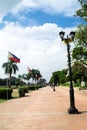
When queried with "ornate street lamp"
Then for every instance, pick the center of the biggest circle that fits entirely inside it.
(67, 40)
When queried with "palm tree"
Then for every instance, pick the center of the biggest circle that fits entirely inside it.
(36, 75)
(10, 67)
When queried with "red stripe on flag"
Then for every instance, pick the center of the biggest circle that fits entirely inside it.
(12, 57)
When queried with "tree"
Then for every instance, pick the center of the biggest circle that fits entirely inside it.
(59, 77)
(20, 80)
(10, 67)
(80, 51)
(34, 74)
(82, 12)
(42, 82)
(55, 78)
(80, 54)
(79, 72)
(82, 1)
(81, 36)
(3, 81)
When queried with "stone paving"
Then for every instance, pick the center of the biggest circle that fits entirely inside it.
(44, 109)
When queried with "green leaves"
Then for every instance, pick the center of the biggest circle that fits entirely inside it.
(34, 74)
(81, 35)
(10, 67)
(82, 13)
(79, 53)
(83, 1)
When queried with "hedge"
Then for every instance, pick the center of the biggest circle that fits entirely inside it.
(6, 93)
(23, 88)
(33, 87)
(22, 91)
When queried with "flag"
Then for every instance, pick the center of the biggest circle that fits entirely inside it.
(12, 57)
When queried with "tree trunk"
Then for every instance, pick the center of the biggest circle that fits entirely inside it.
(9, 80)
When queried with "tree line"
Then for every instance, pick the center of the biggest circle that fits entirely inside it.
(11, 67)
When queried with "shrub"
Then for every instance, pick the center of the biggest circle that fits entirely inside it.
(22, 91)
(33, 87)
(77, 84)
(6, 93)
(86, 84)
(26, 89)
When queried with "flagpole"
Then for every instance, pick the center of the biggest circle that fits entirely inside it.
(7, 83)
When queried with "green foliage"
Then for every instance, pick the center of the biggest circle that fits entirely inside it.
(10, 67)
(20, 80)
(66, 84)
(33, 87)
(81, 36)
(21, 91)
(6, 93)
(82, 13)
(83, 1)
(26, 89)
(62, 76)
(42, 82)
(51, 80)
(59, 77)
(55, 78)
(77, 84)
(34, 74)
(23, 88)
(81, 32)
(86, 84)
(79, 72)
(3, 82)
(79, 53)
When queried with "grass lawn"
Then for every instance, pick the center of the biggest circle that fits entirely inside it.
(3, 100)
(15, 93)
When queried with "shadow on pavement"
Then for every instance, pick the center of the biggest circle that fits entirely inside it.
(82, 112)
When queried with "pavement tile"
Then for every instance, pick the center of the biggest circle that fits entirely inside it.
(44, 109)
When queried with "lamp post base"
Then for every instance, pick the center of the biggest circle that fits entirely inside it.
(73, 110)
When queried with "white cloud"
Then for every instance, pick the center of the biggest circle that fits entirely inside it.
(7, 6)
(38, 47)
(50, 6)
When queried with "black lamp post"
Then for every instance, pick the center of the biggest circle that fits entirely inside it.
(68, 40)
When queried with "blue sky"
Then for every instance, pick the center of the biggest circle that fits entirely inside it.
(39, 18)
(30, 28)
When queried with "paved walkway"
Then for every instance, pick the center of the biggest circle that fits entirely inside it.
(44, 109)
